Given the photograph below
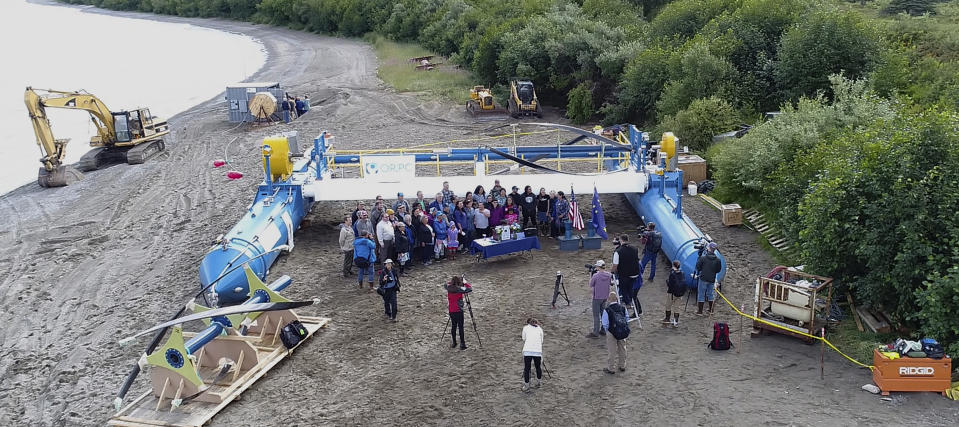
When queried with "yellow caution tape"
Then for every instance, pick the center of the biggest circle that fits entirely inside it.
(793, 331)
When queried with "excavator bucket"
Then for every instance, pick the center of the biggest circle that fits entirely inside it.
(59, 177)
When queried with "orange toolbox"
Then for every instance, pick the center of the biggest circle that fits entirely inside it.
(911, 373)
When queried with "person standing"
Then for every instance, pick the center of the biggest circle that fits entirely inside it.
(401, 201)
(452, 240)
(401, 244)
(363, 224)
(364, 255)
(385, 235)
(481, 220)
(347, 236)
(532, 351)
(626, 267)
(494, 192)
(527, 203)
(653, 242)
(675, 289)
(479, 194)
(497, 214)
(455, 291)
(615, 322)
(599, 283)
(441, 228)
(447, 194)
(562, 213)
(390, 285)
(515, 197)
(424, 240)
(543, 202)
(709, 265)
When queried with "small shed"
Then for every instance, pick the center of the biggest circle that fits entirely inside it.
(238, 98)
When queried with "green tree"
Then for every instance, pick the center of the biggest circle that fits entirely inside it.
(640, 87)
(696, 125)
(580, 108)
(822, 43)
(912, 7)
(700, 75)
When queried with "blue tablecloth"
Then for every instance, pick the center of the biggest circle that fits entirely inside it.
(489, 249)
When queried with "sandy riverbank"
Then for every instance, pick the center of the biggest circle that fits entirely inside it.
(117, 252)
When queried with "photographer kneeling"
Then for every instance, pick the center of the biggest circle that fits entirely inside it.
(455, 290)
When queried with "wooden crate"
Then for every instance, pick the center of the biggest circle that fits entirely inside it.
(693, 167)
(732, 214)
(911, 373)
(148, 411)
(796, 304)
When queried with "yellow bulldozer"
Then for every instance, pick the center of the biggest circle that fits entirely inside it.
(131, 136)
(481, 104)
(523, 100)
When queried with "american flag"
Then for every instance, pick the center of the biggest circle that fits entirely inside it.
(574, 214)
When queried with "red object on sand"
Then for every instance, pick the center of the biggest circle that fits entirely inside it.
(217, 163)
(234, 175)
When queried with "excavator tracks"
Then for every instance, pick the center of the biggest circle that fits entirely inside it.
(144, 151)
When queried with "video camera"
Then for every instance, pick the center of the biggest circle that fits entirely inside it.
(591, 269)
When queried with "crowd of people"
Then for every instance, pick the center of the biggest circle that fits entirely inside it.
(409, 231)
(405, 231)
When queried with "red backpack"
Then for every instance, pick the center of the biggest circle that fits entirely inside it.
(720, 337)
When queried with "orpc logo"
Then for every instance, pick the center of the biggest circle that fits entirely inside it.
(925, 371)
(372, 168)
(396, 166)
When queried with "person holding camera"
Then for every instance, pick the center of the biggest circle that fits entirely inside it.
(626, 267)
(708, 266)
(389, 286)
(599, 282)
(455, 290)
(532, 351)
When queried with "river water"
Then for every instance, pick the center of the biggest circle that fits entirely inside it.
(127, 63)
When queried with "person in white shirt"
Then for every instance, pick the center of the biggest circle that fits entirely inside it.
(532, 351)
(385, 235)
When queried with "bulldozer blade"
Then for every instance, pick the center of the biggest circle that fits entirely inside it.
(61, 176)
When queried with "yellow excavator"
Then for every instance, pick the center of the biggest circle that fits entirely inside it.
(132, 136)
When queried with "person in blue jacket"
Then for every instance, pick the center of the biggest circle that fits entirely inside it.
(364, 255)
(441, 229)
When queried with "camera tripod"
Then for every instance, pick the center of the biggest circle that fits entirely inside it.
(469, 306)
(559, 289)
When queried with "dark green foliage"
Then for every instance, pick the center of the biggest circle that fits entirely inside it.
(938, 299)
(822, 43)
(696, 125)
(912, 7)
(580, 107)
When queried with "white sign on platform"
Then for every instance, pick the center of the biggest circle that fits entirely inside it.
(388, 168)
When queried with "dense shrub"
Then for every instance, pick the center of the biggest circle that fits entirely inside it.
(696, 125)
(580, 107)
(822, 43)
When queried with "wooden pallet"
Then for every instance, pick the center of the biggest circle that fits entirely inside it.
(146, 410)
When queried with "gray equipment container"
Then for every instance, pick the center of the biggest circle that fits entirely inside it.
(238, 97)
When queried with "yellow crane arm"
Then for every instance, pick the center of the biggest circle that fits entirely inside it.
(38, 100)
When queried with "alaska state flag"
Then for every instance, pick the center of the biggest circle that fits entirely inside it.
(599, 222)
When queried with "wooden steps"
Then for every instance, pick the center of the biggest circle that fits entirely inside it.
(757, 221)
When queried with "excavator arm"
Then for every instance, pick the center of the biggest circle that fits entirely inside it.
(38, 101)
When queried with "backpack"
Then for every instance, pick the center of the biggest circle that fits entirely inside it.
(932, 348)
(618, 324)
(677, 284)
(655, 242)
(362, 262)
(292, 334)
(720, 337)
